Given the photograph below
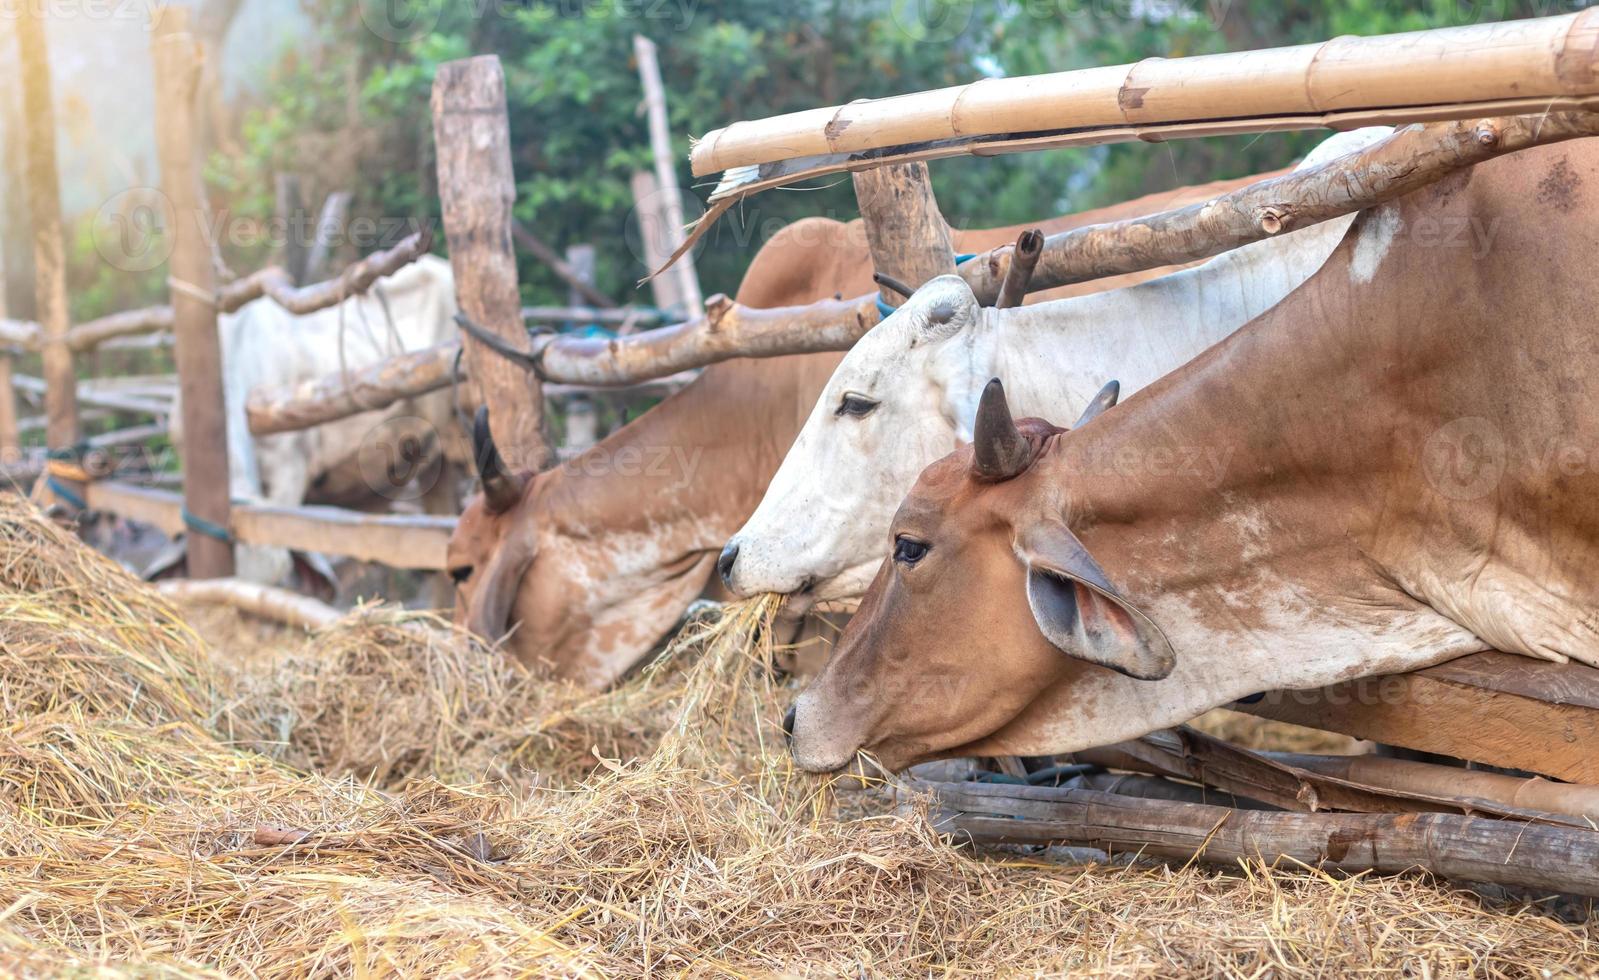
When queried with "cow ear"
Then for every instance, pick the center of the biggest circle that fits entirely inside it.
(1081, 613)
(494, 591)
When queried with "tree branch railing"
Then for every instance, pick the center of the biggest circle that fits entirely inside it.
(1411, 158)
(271, 282)
(1453, 845)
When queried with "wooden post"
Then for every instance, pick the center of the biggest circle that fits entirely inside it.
(657, 242)
(289, 213)
(49, 259)
(580, 258)
(580, 417)
(649, 73)
(16, 284)
(905, 231)
(472, 136)
(329, 226)
(176, 56)
(10, 436)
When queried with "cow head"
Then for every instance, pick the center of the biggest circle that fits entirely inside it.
(987, 600)
(494, 542)
(889, 409)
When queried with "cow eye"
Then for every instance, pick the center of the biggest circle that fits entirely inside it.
(461, 573)
(858, 406)
(909, 551)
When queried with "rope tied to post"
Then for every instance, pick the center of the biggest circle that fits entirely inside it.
(531, 360)
(65, 465)
(200, 525)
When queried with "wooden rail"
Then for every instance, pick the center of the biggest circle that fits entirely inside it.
(270, 282)
(1493, 708)
(1472, 848)
(397, 540)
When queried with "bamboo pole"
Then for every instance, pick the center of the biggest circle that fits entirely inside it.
(1408, 160)
(1505, 852)
(49, 256)
(649, 71)
(177, 58)
(477, 189)
(1540, 59)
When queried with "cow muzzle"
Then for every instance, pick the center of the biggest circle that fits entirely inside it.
(808, 743)
(724, 565)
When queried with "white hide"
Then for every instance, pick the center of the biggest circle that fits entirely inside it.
(265, 345)
(821, 528)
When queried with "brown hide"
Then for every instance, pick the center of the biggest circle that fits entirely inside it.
(603, 554)
(1397, 465)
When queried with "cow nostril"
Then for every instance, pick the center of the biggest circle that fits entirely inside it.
(788, 723)
(724, 564)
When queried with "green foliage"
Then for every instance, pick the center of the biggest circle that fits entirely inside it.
(351, 107)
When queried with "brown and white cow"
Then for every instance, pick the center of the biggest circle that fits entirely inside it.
(593, 562)
(1397, 465)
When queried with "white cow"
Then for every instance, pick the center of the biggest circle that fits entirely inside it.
(369, 454)
(907, 394)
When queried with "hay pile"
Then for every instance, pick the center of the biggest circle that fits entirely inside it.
(138, 824)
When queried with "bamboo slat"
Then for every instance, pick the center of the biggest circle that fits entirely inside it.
(1544, 58)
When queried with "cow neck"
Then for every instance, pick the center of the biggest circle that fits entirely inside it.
(1063, 352)
(691, 474)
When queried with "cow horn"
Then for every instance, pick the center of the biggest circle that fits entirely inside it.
(1000, 451)
(1105, 399)
(501, 490)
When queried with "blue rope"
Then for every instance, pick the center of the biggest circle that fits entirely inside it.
(197, 523)
(60, 490)
(885, 311)
(1251, 699)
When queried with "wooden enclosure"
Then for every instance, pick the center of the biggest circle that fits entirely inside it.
(1503, 88)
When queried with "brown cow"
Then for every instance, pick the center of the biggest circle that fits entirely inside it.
(1396, 466)
(595, 561)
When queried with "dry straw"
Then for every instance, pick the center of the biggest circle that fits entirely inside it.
(156, 820)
